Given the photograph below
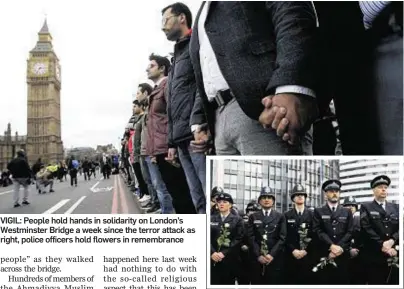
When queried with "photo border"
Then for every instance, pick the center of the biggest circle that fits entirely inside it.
(399, 159)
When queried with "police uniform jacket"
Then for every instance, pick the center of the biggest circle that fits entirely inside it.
(294, 223)
(379, 225)
(273, 226)
(236, 230)
(333, 228)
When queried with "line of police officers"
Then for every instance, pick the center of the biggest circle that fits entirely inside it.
(265, 246)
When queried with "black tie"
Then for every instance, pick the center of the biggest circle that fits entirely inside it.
(333, 209)
(300, 214)
(266, 213)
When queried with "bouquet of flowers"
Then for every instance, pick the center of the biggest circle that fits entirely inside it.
(303, 233)
(264, 248)
(223, 240)
(393, 262)
(323, 263)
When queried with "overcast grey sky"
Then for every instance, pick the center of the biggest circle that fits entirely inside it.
(103, 47)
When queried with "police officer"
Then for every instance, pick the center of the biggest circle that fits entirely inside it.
(299, 221)
(379, 221)
(333, 225)
(245, 272)
(225, 247)
(267, 231)
(213, 205)
(356, 265)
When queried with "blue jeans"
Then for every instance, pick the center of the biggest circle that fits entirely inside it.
(166, 202)
(147, 178)
(194, 165)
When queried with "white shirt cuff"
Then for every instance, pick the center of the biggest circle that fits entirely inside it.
(295, 89)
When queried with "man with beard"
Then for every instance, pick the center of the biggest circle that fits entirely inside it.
(356, 265)
(333, 225)
(168, 178)
(224, 256)
(379, 221)
(299, 259)
(177, 22)
(267, 231)
(246, 256)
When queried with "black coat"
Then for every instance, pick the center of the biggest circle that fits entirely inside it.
(294, 223)
(181, 94)
(333, 228)
(378, 225)
(274, 227)
(236, 229)
(258, 46)
(19, 168)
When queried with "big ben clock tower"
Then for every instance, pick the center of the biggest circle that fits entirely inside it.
(43, 117)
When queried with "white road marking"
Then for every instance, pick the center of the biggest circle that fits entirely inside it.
(92, 188)
(75, 205)
(6, 192)
(56, 207)
(101, 178)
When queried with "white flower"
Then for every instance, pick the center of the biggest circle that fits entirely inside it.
(303, 225)
(264, 237)
(397, 248)
(315, 269)
(226, 225)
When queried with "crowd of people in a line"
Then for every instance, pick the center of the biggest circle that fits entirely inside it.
(308, 83)
(44, 175)
(336, 244)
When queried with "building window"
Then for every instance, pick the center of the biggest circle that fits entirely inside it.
(234, 165)
(233, 179)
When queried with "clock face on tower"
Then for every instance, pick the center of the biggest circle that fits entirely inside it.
(39, 68)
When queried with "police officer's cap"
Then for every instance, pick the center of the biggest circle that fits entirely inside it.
(350, 201)
(252, 207)
(216, 191)
(266, 192)
(298, 190)
(331, 185)
(380, 180)
(225, 197)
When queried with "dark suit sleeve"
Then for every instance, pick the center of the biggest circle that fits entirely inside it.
(235, 243)
(318, 230)
(255, 249)
(395, 235)
(198, 113)
(345, 241)
(367, 227)
(295, 36)
(282, 238)
(167, 95)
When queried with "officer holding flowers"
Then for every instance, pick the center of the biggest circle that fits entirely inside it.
(226, 233)
(333, 226)
(267, 231)
(298, 249)
(379, 222)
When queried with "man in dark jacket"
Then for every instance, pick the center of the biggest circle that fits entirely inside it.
(267, 232)
(380, 231)
(333, 226)
(257, 70)
(21, 173)
(168, 179)
(177, 22)
(86, 169)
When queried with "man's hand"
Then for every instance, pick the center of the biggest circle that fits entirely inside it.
(388, 244)
(291, 115)
(262, 260)
(296, 253)
(215, 257)
(354, 252)
(269, 258)
(200, 144)
(392, 252)
(221, 255)
(153, 160)
(336, 250)
(171, 154)
(332, 255)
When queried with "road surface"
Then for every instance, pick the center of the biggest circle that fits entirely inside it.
(97, 196)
